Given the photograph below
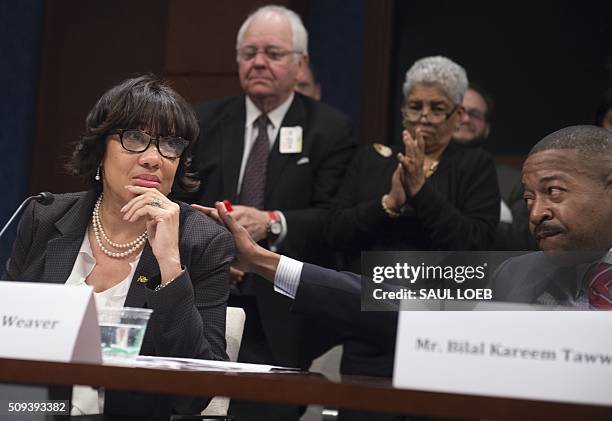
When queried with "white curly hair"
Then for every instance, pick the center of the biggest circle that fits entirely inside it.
(298, 31)
(439, 71)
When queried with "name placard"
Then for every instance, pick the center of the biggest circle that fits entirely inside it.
(540, 355)
(48, 322)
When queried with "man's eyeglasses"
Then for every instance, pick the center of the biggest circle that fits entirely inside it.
(435, 115)
(271, 53)
(137, 141)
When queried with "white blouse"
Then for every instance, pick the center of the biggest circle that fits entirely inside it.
(85, 399)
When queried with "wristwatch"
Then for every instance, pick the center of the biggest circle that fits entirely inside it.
(275, 226)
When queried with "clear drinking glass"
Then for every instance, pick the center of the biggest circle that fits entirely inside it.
(121, 332)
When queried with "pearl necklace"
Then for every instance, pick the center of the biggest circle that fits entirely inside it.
(99, 233)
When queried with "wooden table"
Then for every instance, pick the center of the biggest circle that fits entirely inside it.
(361, 393)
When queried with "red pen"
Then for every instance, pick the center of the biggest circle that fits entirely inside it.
(228, 205)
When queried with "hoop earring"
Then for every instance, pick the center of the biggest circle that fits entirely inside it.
(97, 177)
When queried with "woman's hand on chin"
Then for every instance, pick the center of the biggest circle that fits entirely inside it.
(162, 220)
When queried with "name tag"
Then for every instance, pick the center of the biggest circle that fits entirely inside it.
(541, 355)
(290, 139)
(48, 322)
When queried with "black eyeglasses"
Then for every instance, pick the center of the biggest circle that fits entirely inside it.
(137, 141)
(413, 112)
(271, 53)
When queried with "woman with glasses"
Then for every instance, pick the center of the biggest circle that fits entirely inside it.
(425, 193)
(132, 243)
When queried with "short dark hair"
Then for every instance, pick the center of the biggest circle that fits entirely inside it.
(144, 102)
(488, 99)
(593, 144)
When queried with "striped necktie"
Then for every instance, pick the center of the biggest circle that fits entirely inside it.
(599, 286)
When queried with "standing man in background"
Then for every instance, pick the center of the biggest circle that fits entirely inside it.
(513, 230)
(279, 157)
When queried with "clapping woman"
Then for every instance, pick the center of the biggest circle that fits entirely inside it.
(424, 193)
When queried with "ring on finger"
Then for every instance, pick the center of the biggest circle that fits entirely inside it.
(155, 202)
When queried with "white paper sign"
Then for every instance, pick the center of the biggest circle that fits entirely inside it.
(540, 355)
(290, 140)
(49, 322)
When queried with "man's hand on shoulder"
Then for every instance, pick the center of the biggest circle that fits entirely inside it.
(250, 257)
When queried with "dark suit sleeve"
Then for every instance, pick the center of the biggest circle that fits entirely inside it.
(21, 246)
(352, 222)
(189, 314)
(335, 297)
(330, 160)
(471, 225)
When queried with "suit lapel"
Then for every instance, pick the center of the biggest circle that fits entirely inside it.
(296, 116)
(147, 268)
(542, 275)
(62, 250)
(232, 146)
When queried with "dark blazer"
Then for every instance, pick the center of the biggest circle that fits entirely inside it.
(524, 279)
(457, 208)
(188, 318)
(300, 185)
(335, 298)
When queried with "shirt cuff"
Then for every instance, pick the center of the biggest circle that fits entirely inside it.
(278, 241)
(287, 277)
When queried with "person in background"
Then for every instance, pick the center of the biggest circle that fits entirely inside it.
(308, 84)
(475, 124)
(129, 241)
(278, 157)
(474, 129)
(425, 194)
(445, 198)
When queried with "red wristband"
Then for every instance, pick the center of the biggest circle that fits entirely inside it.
(273, 216)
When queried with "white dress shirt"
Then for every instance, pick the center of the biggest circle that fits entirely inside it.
(287, 276)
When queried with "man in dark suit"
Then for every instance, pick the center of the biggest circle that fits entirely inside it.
(278, 156)
(567, 179)
(330, 297)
